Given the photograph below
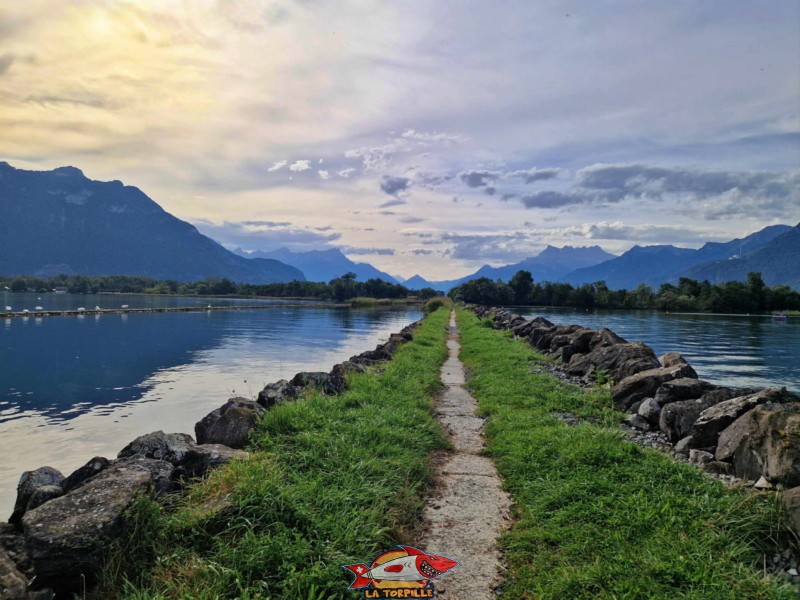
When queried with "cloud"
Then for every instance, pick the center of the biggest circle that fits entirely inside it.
(553, 199)
(394, 185)
(390, 203)
(533, 174)
(476, 178)
(346, 173)
(6, 60)
(265, 235)
(489, 190)
(367, 251)
(429, 137)
(324, 174)
(422, 252)
(411, 219)
(506, 246)
(277, 166)
(661, 234)
(300, 165)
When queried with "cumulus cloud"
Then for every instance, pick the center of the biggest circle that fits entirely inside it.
(506, 246)
(346, 173)
(324, 174)
(533, 174)
(394, 185)
(478, 178)
(278, 166)
(428, 137)
(300, 165)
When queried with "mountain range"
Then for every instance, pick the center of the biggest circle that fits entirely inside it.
(321, 265)
(59, 221)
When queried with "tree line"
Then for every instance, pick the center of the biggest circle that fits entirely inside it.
(751, 296)
(339, 289)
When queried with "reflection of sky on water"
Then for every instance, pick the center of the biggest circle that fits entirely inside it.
(736, 350)
(76, 387)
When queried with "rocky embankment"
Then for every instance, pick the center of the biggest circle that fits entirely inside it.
(61, 528)
(751, 435)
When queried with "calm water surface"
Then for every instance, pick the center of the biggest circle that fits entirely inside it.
(75, 387)
(733, 350)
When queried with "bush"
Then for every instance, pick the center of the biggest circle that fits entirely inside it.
(435, 304)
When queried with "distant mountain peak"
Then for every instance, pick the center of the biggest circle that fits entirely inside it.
(71, 171)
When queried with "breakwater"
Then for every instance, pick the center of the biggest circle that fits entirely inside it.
(747, 436)
(62, 526)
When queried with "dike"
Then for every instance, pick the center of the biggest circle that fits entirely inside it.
(746, 437)
(61, 532)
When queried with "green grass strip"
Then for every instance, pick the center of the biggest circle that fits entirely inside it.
(331, 481)
(598, 516)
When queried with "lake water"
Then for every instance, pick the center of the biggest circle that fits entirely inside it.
(75, 387)
(735, 350)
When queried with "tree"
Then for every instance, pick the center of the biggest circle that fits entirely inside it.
(522, 285)
(19, 285)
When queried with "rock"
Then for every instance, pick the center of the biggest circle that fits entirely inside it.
(763, 484)
(676, 419)
(650, 410)
(394, 342)
(319, 380)
(644, 384)
(713, 420)
(718, 468)
(674, 359)
(764, 442)
(66, 536)
(277, 393)
(199, 459)
(791, 504)
(683, 388)
(638, 422)
(29, 481)
(619, 360)
(684, 445)
(230, 424)
(161, 472)
(90, 469)
(348, 367)
(13, 542)
(700, 457)
(43, 494)
(13, 584)
(171, 447)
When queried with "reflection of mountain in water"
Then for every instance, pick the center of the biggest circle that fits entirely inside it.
(50, 366)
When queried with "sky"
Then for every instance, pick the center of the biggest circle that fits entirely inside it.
(423, 137)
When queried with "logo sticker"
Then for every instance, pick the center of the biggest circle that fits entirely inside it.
(403, 573)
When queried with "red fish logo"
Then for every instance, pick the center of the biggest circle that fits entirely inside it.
(403, 573)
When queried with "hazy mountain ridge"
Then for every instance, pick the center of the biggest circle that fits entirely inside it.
(320, 265)
(654, 265)
(60, 221)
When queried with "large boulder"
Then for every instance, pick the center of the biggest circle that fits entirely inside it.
(764, 442)
(81, 474)
(13, 584)
(44, 494)
(673, 359)
(619, 361)
(13, 543)
(683, 388)
(322, 381)
(29, 482)
(791, 504)
(66, 537)
(199, 459)
(171, 447)
(393, 343)
(644, 384)
(230, 424)
(678, 418)
(277, 393)
(715, 419)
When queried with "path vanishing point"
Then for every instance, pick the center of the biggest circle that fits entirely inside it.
(468, 509)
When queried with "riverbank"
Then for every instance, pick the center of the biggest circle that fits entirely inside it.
(331, 480)
(596, 515)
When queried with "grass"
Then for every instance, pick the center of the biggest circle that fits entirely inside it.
(596, 515)
(361, 301)
(330, 481)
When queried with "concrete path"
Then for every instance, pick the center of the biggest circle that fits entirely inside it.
(468, 510)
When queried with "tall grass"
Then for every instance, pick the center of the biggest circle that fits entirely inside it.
(600, 517)
(331, 481)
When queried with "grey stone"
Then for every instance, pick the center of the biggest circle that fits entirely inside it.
(791, 504)
(199, 459)
(644, 384)
(718, 467)
(277, 393)
(684, 445)
(638, 422)
(764, 441)
(230, 424)
(90, 469)
(674, 359)
(700, 457)
(13, 584)
(684, 388)
(619, 360)
(713, 420)
(171, 447)
(321, 381)
(44, 494)
(650, 410)
(13, 542)
(29, 481)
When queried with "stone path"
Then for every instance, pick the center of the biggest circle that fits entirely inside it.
(468, 510)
